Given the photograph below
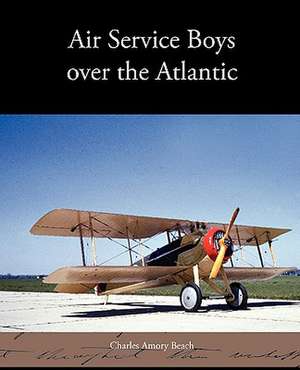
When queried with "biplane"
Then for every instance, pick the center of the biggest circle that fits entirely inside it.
(195, 251)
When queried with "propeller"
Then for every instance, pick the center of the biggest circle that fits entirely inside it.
(223, 247)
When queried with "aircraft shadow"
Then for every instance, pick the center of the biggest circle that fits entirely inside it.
(126, 311)
(143, 308)
(225, 307)
(271, 303)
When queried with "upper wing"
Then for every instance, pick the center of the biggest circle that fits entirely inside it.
(65, 222)
(246, 234)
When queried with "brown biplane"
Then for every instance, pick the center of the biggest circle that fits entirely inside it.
(195, 251)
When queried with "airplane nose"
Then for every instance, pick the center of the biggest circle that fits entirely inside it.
(211, 243)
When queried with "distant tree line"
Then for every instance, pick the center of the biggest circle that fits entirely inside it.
(21, 277)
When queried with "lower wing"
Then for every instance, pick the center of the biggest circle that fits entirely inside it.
(255, 273)
(126, 279)
(117, 279)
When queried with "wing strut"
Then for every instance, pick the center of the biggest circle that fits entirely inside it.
(129, 247)
(271, 250)
(240, 244)
(141, 252)
(259, 252)
(81, 241)
(93, 244)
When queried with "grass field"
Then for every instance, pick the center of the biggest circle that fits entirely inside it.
(24, 285)
(282, 287)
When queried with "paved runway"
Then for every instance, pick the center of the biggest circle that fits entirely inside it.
(56, 312)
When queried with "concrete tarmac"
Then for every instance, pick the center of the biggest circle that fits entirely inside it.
(57, 312)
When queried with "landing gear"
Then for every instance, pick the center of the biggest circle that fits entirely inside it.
(240, 296)
(191, 297)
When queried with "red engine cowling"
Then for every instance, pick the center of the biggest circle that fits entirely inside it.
(211, 243)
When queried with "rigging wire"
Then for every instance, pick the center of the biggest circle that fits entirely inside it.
(138, 243)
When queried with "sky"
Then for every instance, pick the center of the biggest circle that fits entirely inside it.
(197, 167)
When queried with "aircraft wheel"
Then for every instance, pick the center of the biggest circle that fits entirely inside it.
(240, 296)
(191, 297)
